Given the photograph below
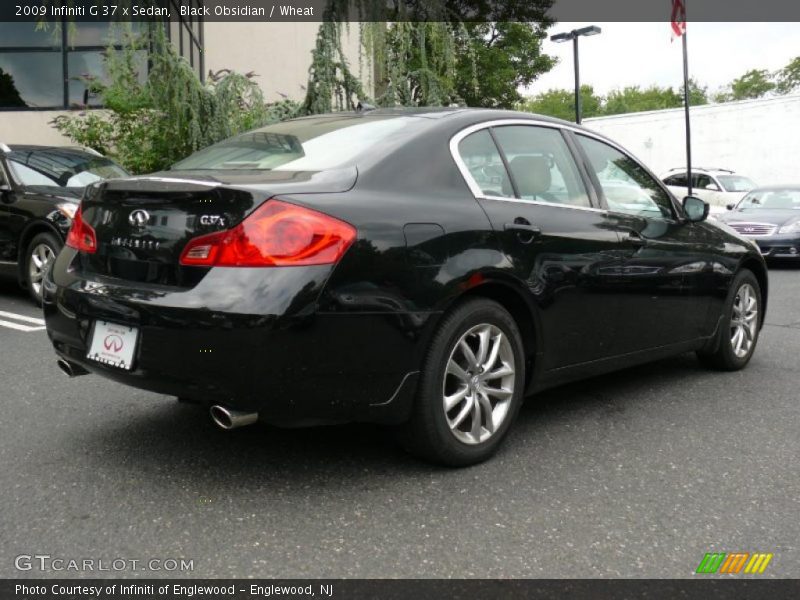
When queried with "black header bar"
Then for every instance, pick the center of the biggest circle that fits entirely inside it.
(397, 10)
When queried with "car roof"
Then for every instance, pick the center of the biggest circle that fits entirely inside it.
(441, 113)
(712, 170)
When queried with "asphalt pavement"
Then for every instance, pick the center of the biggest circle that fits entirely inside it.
(634, 474)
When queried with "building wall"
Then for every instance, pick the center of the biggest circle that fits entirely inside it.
(753, 137)
(279, 53)
(30, 127)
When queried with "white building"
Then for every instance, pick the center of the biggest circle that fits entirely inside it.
(756, 138)
(38, 68)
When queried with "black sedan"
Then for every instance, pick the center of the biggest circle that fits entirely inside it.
(770, 216)
(40, 187)
(426, 269)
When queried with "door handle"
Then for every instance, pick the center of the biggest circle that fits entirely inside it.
(526, 231)
(523, 227)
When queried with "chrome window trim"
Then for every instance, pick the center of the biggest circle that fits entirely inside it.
(6, 176)
(475, 188)
(478, 193)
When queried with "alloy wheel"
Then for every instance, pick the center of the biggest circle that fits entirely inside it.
(479, 383)
(41, 257)
(744, 320)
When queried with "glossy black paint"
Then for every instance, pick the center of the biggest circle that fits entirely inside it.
(594, 291)
(26, 212)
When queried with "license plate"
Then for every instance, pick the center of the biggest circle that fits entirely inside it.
(113, 344)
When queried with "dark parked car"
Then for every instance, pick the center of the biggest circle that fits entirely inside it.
(770, 216)
(426, 269)
(40, 188)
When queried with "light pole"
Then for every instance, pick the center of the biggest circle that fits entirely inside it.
(574, 35)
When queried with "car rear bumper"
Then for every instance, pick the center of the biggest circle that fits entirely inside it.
(250, 339)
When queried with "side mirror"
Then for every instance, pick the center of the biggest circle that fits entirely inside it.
(696, 210)
(712, 186)
(730, 206)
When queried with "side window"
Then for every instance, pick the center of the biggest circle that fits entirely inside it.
(677, 180)
(480, 154)
(701, 182)
(627, 186)
(541, 165)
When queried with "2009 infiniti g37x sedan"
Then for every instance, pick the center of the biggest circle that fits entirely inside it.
(426, 269)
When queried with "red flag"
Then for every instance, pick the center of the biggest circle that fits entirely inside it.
(678, 18)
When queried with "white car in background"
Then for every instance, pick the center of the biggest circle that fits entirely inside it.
(718, 187)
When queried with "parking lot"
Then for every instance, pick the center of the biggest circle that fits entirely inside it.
(635, 474)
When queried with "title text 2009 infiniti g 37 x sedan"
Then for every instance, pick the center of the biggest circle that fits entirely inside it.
(426, 269)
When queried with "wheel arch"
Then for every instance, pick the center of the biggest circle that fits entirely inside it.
(513, 299)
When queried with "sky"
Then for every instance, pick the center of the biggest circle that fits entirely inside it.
(641, 54)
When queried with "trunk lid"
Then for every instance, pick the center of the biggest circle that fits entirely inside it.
(142, 224)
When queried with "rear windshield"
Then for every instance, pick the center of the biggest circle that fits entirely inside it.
(302, 145)
(61, 168)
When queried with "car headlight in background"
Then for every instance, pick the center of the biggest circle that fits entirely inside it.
(790, 228)
(68, 209)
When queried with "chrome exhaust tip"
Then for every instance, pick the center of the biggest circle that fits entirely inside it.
(226, 418)
(71, 369)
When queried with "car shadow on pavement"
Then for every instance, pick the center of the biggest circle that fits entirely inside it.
(184, 437)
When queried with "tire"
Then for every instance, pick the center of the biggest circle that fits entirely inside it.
(464, 435)
(39, 255)
(737, 337)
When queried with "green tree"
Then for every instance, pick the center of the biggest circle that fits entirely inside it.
(429, 52)
(561, 103)
(417, 63)
(788, 78)
(331, 83)
(698, 94)
(508, 55)
(634, 99)
(9, 94)
(722, 95)
(756, 83)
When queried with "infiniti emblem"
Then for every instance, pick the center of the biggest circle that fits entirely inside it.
(138, 218)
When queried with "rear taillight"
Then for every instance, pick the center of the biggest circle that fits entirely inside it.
(81, 235)
(276, 234)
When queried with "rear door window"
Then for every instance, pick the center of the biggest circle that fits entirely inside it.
(541, 165)
(484, 163)
(679, 180)
(701, 182)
